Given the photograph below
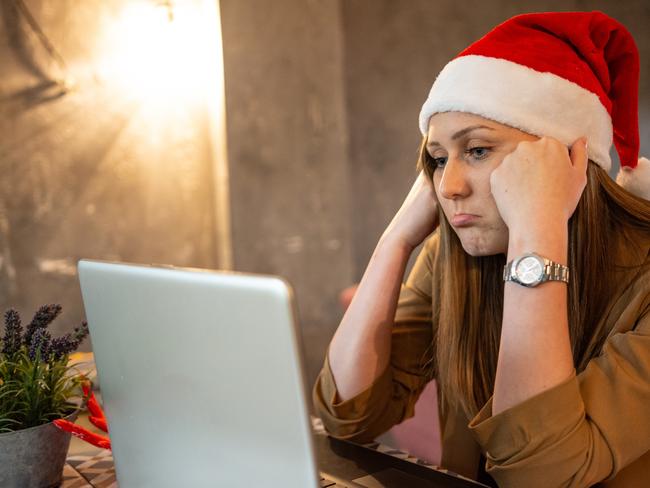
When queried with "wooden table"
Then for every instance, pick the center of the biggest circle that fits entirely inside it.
(94, 467)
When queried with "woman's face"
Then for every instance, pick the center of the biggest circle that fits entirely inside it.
(465, 149)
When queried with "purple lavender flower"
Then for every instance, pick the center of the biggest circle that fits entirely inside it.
(40, 341)
(68, 343)
(13, 332)
(81, 332)
(43, 317)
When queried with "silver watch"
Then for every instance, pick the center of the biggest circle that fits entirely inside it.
(531, 269)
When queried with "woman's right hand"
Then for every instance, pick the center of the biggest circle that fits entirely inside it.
(418, 215)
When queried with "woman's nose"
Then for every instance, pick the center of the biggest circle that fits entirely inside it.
(454, 183)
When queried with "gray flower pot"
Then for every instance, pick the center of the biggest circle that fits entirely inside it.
(34, 457)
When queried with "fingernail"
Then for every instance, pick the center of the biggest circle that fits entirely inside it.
(585, 141)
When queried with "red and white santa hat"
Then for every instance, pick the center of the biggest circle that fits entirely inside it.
(558, 74)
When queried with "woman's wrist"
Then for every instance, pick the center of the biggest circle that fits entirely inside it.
(395, 241)
(551, 241)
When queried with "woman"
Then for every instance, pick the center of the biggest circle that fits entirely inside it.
(530, 305)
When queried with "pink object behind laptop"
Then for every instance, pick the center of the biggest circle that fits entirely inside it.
(419, 435)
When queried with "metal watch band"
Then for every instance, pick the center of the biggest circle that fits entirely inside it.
(555, 272)
(552, 271)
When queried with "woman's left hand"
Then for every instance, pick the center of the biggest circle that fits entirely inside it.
(540, 183)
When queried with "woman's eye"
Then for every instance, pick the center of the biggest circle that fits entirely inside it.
(478, 152)
(439, 162)
(435, 162)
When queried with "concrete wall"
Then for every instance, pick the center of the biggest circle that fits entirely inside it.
(322, 98)
(287, 143)
(89, 170)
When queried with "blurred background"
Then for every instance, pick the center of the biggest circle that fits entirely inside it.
(269, 137)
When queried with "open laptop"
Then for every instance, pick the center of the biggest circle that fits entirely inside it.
(202, 381)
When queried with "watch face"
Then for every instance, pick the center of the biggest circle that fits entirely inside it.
(529, 270)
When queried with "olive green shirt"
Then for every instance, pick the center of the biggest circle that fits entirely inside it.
(594, 427)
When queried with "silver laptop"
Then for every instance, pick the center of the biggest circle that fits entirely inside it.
(202, 383)
(197, 368)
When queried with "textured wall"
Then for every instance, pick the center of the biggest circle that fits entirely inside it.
(322, 99)
(92, 172)
(286, 146)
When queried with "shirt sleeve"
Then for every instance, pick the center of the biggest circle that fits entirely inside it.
(582, 431)
(390, 399)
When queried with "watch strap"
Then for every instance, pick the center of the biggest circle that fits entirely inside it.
(555, 272)
(552, 271)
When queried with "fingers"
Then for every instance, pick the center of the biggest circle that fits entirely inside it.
(578, 153)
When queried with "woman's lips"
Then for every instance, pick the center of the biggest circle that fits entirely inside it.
(463, 220)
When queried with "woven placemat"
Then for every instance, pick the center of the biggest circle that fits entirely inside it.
(90, 471)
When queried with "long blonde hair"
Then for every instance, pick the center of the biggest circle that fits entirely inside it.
(468, 291)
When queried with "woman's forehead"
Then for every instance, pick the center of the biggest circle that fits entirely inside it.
(453, 125)
(450, 126)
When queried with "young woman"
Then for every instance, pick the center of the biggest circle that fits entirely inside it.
(530, 302)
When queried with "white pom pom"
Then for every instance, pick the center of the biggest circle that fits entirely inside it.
(636, 180)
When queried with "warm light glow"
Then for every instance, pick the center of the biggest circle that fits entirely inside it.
(161, 58)
(164, 60)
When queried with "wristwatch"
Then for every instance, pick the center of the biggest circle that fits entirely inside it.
(531, 269)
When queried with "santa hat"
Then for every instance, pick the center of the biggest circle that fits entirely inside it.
(563, 75)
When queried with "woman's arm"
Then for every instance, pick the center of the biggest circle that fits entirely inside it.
(360, 349)
(535, 350)
(537, 188)
(392, 396)
(590, 426)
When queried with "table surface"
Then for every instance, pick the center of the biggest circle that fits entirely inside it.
(88, 467)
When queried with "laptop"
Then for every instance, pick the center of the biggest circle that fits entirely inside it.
(202, 382)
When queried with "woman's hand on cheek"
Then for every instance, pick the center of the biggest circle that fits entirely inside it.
(540, 183)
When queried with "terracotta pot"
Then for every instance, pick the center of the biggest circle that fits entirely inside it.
(34, 457)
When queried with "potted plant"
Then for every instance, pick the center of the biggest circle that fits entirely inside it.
(37, 386)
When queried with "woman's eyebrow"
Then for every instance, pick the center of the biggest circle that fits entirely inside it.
(461, 133)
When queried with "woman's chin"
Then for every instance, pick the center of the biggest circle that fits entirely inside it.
(481, 245)
(478, 252)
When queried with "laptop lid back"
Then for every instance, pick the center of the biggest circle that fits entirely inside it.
(200, 376)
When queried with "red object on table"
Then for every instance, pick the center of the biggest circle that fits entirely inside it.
(97, 418)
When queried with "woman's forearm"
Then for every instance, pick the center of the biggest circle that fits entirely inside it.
(360, 349)
(535, 351)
